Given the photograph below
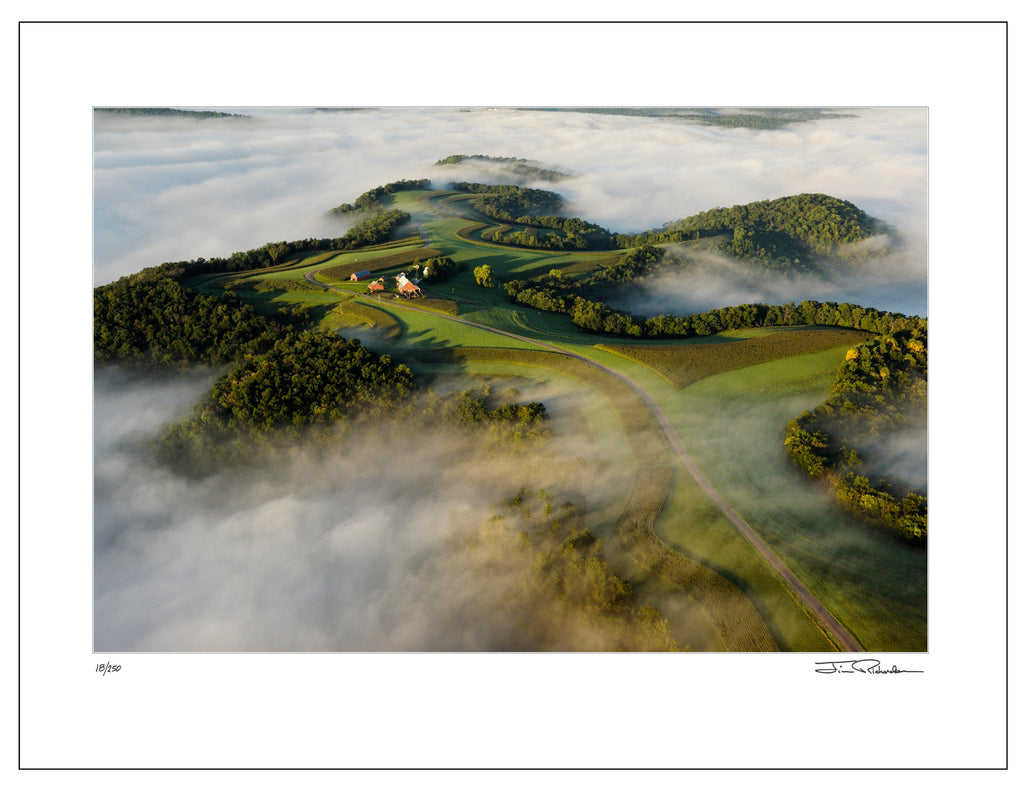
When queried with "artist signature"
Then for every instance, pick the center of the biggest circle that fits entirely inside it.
(870, 666)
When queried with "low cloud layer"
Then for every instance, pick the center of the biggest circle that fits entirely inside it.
(173, 189)
(892, 280)
(351, 549)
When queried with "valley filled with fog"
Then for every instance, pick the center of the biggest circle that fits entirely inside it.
(371, 544)
(170, 189)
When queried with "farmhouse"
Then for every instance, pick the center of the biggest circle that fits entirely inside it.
(410, 289)
(377, 285)
(406, 287)
(357, 276)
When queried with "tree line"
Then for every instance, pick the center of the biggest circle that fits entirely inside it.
(535, 208)
(576, 234)
(506, 202)
(579, 300)
(165, 112)
(370, 201)
(880, 387)
(375, 229)
(782, 234)
(320, 388)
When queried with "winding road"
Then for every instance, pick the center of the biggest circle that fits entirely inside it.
(799, 590)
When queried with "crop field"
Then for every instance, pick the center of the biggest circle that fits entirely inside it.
(460, 236)
(584, 264)
(304, 259)
(379, 265)
(428, 331)
(685, 363)
(488, 235)
(267, 285)
(319, 303)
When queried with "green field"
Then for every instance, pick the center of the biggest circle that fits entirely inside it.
(727, 396)
(873, 583)
(684, 363)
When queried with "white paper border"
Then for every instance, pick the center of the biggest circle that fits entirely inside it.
(425, 710)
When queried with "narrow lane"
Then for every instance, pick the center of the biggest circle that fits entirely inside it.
(828, 621)
(810, 601)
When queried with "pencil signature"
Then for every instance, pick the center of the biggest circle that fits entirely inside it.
(870, 666)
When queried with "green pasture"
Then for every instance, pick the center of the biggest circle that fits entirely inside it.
(426, 331)
(386, 265)
(683, 364)
(695, 526)
(729, 397)
(733, 425)
(352, 313)
(509, 263)
(319, 304)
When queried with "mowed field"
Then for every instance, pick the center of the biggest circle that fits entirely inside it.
(728, 396)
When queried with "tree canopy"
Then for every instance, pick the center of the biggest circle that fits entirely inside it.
(783, 233)
(155, 321)
(370, 201)
(881, 387)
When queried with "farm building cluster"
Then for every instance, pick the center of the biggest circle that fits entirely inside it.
(407, 287)
(404, 287)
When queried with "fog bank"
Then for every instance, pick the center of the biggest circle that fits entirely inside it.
(894, 281)
(355, 548)
(171, 189)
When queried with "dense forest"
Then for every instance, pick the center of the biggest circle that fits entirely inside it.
(152, 320)
(319, 388)
(881, 387)
(785, 234)
(283, 379)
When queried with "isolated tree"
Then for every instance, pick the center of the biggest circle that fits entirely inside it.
(483, 276)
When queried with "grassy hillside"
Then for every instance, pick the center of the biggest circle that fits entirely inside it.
(728, 395)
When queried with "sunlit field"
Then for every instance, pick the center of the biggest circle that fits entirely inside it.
(639, 455)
